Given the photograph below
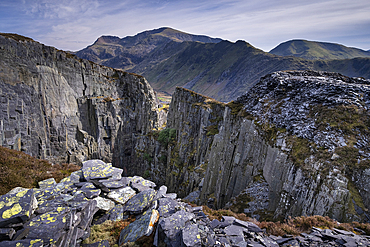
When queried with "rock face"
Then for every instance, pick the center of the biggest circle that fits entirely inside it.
(57, 107)
(61, 214)
(295, 144)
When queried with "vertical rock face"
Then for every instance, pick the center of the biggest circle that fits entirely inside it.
(295, 144)
(54, 106)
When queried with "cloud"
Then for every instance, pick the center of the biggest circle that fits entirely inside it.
(74, 24)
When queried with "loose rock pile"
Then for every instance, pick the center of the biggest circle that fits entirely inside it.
(62, 214)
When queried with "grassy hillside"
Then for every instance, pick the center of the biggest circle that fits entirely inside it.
(18, 169)
(313, 50)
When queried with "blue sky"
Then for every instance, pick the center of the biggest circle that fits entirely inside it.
(75, 24)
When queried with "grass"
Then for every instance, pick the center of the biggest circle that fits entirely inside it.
(18, 169)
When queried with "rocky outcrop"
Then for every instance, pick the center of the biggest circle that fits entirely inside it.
(64, 214)
(295, 144)
(57, 107)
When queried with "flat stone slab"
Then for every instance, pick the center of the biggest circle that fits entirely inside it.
(23, 243)
(47, 183)
(104, 204)
(96, 169)
(172, 225)
(191, 236)
(140, 227)
(50, 226)
(140, 202)
(114, 184)
(167, 207)
(121, 195)
(17, 207)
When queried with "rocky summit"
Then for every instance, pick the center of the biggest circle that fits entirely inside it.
(63, 214)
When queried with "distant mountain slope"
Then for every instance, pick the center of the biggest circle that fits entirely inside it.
(127, 52)
(314, 50)
(220, 69)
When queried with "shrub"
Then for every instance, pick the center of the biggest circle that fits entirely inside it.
(166, 136)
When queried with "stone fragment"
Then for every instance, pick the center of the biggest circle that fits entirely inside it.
(23, 243)
(142, 181)
(143, 226)
(104, 204)
(140, 202)
(113, 184)
(49, 226)
(234, 230)
(17, 207)
(139, 187)
(169, 228)
(161, 192)
(6, 233)
(191, 236)
(96, 169)
(166, 206)
(48, 183)
(121, 195)
(172, 196)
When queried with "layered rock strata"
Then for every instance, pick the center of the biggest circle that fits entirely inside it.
(295, 144)
(62, 214)
(57, 107)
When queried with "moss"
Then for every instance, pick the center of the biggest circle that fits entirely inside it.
(146, 174)
(346, 118)
(147, 157)
(240, 203)
(167, 136)
(212, 130)
(235, 107)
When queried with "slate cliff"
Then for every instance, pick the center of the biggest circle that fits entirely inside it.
(58, 107)
(295, 144)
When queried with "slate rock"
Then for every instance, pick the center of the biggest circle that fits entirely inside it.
(234, 230)
(47, 183)
(161, 192)
(215, 223)
(121, 195)
(116, 213)
(140, 202)
(113, 184)
(142, 226)
(104, 204)
(6, 233)
(167, 206)
(17, 207)
(142, 181)
(96, 169)
(191, 236)
(23, 243)
(169, 229)
(49, 226)
(172, 196)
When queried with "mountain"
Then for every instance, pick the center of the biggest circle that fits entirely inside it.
(127, 52)
(314, 50)
(220, 69)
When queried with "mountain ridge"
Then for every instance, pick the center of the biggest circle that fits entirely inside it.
(223, 70)
(315, 50)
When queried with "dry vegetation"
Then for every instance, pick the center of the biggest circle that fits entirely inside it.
(18, 169)
(293, 226)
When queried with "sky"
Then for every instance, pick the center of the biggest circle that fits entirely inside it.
(74, 24)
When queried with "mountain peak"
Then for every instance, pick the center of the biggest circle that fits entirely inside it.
(315, 50)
